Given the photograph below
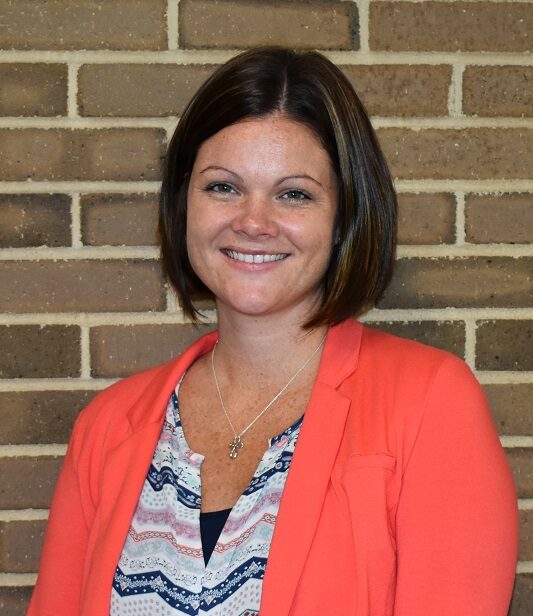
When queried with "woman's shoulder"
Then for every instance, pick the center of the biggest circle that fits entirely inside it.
(414, 371)
(113, 404)
(142, 389)
(402, 355)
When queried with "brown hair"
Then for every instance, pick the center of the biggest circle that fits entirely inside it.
(308, 88)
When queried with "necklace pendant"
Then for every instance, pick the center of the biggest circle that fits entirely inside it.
(235, 445)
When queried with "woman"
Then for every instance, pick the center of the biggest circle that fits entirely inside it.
(176, 495)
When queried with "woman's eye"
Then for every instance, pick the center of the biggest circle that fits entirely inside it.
(295, 195)
(219, 187)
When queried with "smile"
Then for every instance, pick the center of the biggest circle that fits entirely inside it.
(250, 258)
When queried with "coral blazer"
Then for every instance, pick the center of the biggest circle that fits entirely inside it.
(399, 500)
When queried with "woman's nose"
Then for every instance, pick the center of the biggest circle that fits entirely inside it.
(255, 218)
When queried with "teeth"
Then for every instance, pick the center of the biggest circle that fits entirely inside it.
(249, 258)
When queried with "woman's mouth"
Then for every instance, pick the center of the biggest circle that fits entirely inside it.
(247, 257)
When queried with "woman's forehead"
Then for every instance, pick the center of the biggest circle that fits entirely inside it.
(275, 144)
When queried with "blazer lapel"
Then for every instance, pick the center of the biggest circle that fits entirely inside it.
(310, 471)
(124, 471)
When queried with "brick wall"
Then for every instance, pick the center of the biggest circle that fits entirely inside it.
(90, 91)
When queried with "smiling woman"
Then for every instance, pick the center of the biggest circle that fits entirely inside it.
(261, 207)
(293, 463)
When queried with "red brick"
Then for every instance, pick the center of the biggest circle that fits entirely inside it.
(33, 89)
(121, 350)
(87, 286)
(451, 26)
(107, 154)
(449, 336)
(20, 545)
(31, 351)
(78, 24)
(116, 220)
(504, 345)
(400, 89)
(14, 600)
(499, 218)
(498, 90)
(470, 153)
(234, 24)
(426, 218)
(38, 475)
(512, 407)
(34, 220)
(461, 282)
(138, 89)
(521, 460)
(29, 417)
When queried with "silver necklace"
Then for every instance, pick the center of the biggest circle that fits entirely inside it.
(237, 442)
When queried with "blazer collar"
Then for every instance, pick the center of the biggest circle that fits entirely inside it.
(341, 353)
(151, 404)
(310, 471)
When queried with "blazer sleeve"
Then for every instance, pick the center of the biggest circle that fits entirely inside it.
(57, 592)
(457, 522)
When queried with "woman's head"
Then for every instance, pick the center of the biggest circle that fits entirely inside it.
(307, 88)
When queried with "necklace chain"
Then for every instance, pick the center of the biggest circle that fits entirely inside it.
(237, 443)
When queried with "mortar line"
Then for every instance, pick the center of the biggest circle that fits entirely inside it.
(54, 384)
(23, 515)
(455, 95)
(525, 504)
(460, 232)
(87, 122)
(96, 318)
(172, 24)
(477, 186)
(72, 90)
(207, 56)
(85, 351)
(467, 250)
(35, 187)
(17, 579)
(76, 254)
(168, 123)
(75, 216)
(364, 25)
(487, 377)
(470, 342)
(524, 566)
(32, 451)
(510, 442)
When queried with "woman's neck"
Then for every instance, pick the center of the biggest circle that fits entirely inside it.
(263, 348)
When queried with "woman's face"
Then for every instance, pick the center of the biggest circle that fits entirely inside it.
(262, 200)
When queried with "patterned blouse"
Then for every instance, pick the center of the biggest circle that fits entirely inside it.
(161, 571)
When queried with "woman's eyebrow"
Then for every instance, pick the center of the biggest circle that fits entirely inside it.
(303, 176)
(217, 168)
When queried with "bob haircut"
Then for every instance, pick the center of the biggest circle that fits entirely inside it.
(308, 88)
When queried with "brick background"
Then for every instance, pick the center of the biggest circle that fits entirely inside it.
(227, 24)
(127, 220)
(89, 95)
(35, 220)
(33, 89)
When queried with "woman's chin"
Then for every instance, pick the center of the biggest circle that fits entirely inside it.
(261, 306)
